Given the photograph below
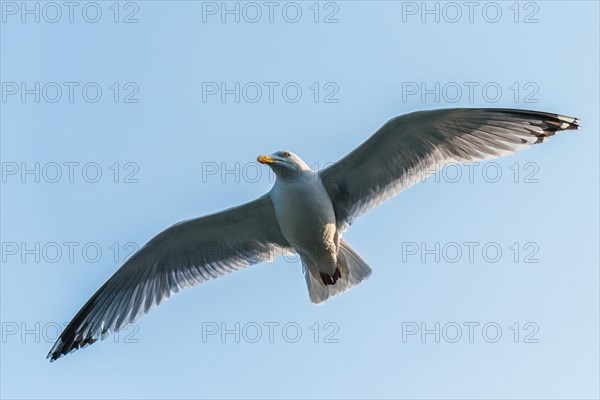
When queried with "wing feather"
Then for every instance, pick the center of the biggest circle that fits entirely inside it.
(182, 256)
(411, 147)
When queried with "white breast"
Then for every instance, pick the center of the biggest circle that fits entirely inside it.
(305, 213)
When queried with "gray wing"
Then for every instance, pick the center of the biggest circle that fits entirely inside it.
(182, 256)
(413, 146)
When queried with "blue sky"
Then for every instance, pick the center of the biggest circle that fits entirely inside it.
(505, 252)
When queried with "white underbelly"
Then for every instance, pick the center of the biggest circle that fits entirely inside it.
(306, 218)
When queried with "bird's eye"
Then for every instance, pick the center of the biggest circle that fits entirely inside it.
(285, 154)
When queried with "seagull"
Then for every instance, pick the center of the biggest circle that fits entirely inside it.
(305, 212)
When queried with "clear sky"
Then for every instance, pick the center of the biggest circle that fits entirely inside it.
(485, 281)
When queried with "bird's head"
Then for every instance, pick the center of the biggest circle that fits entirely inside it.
(285, 164)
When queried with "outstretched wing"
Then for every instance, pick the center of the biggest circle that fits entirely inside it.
(413, 146)
(184, 255)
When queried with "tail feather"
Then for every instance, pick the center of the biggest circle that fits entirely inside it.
(352, 268)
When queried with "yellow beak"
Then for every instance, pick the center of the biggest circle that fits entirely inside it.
(265, 160)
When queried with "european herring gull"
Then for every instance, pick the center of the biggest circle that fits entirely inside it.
(305, 212)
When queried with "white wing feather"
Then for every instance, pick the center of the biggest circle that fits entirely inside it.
(411, 147)
(182, 256)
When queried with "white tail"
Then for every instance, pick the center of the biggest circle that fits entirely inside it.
(353, 270)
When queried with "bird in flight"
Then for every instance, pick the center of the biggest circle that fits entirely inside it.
(305, 212)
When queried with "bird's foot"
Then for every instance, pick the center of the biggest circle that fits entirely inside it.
(331, 279)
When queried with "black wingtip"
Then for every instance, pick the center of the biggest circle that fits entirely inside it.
(550, 123)
(61, 348)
